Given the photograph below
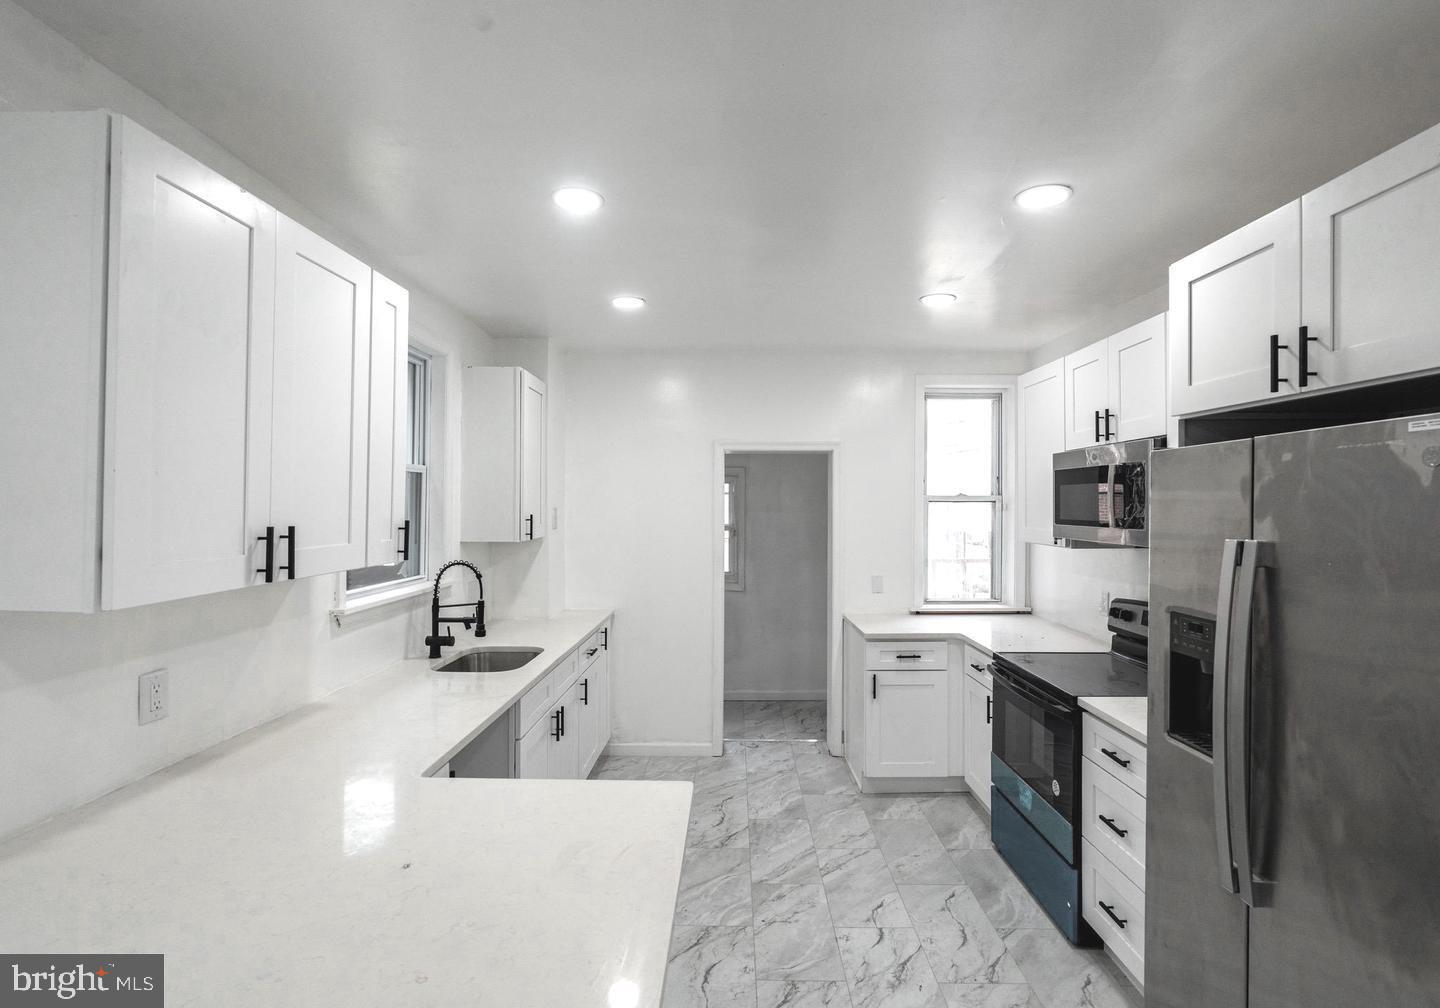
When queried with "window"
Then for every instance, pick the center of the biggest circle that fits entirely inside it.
(415, 568)
(962, 507)
(733, 529)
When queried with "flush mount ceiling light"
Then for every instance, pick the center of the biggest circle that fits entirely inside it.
(937, 300)
(1042, 197)
(628, 302)
(577, 201)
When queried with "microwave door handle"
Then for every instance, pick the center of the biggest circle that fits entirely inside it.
(1110, 491)
(1253, 556)
(1225, 600)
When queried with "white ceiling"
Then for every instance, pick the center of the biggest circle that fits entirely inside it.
(783, 172)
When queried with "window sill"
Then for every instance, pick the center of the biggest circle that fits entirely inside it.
(979, 609)
(376, 599)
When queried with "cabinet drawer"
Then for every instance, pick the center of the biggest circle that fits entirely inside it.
(1114, 820)
(565, 672)
(590, 650)
(537, 702)
(977, 665)
(1120, 921)
(885, 655)
(1115, 751)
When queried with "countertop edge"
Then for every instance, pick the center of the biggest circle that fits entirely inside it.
(1097, 707)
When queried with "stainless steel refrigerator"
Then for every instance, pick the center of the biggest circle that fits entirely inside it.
(1293, 841)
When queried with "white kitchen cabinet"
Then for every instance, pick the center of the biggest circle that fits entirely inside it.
(1112, 831)
(534, 748)
(1370, 254)
(1087, 396)
(1230, 304)
(319, 447)
(1136, 379)
(593, 714)
(979, 713)
(387, 539)
(1041, 418)
(907, 731)
(503, 441)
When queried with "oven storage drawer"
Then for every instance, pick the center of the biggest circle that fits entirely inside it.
(1114, 820)
(1114, 907)
(1115, 751)
(883, 656)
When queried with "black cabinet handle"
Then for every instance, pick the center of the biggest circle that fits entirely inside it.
(908, 657)
(289, 538)
(605, 638)
(404, 549)
(530, 526)
(1117, 759)
(1097, 425)
(874, 686)
(562, 722)
(1109, 434)
(1110, 912)
(989, 708)
(585, 697)
(555, 732)
(1111, 823)
(269, 540)
(978, 668)
(1275, 347)
(1305, 373)
(592, 652)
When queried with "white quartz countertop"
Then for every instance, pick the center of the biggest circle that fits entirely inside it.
(1000, 632)
(1130, 714)
(310, 862)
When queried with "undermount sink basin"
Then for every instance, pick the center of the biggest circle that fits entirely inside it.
(500, 659)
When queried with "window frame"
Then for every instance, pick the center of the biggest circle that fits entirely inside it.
(735, 478)
(1007, 580)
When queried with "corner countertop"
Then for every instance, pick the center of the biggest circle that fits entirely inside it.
(1130, 714)
(309, 861)
(992, 633)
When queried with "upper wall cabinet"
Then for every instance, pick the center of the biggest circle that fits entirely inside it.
(503, 475)
(1041, 414)
(1369, 260)
(1115, 388)
(231, 351)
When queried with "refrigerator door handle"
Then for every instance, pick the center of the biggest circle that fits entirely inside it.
(1254, 555)
(1224, 603)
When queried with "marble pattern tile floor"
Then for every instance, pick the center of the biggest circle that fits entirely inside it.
(799, 892)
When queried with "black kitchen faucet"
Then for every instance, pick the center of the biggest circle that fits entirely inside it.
(435, 641)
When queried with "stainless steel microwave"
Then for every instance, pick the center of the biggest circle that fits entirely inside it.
(1101, 493)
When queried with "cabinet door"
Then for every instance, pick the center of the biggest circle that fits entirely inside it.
(532, 457)
(1227, 301)
(1041, 434)
(565, 755)
(978, 715)
(322, 392)
(188, 401)
(592, 714)
(906, 726)
(1137, 380)
(389, 421)
(533, 750)
(1087, 396)
(1370, 256)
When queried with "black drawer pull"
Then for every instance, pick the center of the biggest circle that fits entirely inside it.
(874, 686)
(592, 652)
(909, 657)
(989, 708)
(1110, 912)
(1111, 823)
(1117, 759)
(978, 668)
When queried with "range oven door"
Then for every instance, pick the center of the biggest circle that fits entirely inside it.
(1100, 493)
(1035, 759)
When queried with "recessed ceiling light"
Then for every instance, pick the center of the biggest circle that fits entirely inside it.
(578, 201)
(1042, 197)
(938, 300)
(628, 302)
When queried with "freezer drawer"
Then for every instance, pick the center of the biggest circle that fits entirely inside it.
(1117, 752)
(1114, 820)
(1114, 907)
(883, 656)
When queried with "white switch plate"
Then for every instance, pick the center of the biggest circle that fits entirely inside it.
(877, 584)
(154, 695)
(1105, 602)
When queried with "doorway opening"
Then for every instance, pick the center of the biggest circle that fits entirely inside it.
(776, 633)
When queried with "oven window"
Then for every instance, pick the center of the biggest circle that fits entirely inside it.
(1039, 745)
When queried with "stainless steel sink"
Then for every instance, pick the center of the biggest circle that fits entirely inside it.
(498, 659)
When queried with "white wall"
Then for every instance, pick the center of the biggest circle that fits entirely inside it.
(775, 628)
(68, 730)
(640, 435)
(1066, 585)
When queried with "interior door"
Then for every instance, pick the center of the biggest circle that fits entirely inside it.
(1041, 434)
(1195, 932)
(532, 457)
(322, 391)
(1369, 259)
(1087, 396)
(906, 732)
(389, 413)
(1346, 800)
(190, 339)
(1136, 359)
(1227, 302)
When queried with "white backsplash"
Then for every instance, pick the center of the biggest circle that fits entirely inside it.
(1067, 585)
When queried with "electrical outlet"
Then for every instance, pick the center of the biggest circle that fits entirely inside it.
(1105, 602)
(877, 584)
(154, 695)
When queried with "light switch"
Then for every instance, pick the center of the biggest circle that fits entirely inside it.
(877, 584)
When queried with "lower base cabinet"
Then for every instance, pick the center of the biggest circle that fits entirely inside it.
(562, 735)
(979, 713)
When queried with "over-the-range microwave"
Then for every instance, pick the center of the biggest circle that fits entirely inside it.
(1100, 493)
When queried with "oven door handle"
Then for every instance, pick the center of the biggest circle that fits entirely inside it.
(1030, 693)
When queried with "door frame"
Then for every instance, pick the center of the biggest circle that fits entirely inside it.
(834, 694)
